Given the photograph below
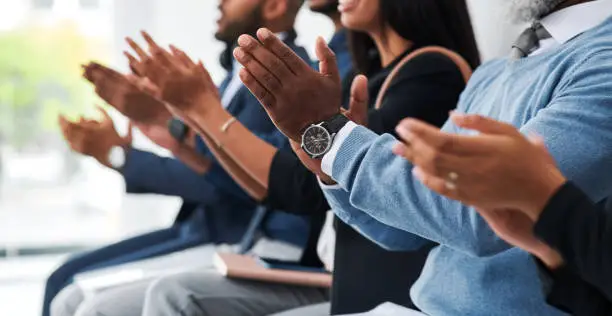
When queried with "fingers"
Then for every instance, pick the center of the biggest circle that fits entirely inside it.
(483, 124)
(328, 66)
(262, 94)
(358, 106)
(135, 65)
(411, 130)
(250, 47)
(282, 51)
(181, 56)
(264, 76)
(210, 84)
(137, 49)
(159, 53)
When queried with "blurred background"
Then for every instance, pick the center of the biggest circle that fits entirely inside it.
(52, 202)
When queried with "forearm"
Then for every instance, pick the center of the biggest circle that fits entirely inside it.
(194, 160)
(382, 186)
(239, 144)
(242, 178)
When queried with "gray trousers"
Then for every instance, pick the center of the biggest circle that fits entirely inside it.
(211, 294)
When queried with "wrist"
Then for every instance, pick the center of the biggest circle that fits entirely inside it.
(549, 257)
(546, 187)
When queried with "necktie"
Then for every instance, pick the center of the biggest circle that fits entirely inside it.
(248, 239)
(529, 41)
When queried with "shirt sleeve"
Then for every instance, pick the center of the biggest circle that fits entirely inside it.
(582, 233)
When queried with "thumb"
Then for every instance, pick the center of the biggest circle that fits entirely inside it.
(105, 116)
(327, 60)
(483, 124)
(130, 133)
(358, 106)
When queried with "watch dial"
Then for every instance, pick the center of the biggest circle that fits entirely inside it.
(316, 140)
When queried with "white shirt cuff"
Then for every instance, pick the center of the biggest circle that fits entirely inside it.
(327, 163)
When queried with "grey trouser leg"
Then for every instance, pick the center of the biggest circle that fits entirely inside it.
(125, 300)
(67, 301)
(322, 309)
(211, 294)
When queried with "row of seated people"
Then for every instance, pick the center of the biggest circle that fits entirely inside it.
(439, 223)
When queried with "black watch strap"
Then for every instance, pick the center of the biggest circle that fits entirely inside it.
(178, 129)
(336, 123)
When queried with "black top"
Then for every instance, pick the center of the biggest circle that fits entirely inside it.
(582, 233)
(366, 275)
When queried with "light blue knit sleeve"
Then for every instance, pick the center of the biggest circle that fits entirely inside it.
(577, 126)
(387, 237)
(380, 189)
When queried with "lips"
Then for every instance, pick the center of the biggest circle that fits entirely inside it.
(347, 5)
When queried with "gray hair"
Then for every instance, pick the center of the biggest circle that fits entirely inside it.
(531, 10)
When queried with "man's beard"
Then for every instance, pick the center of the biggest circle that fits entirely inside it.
(531, 10)
(329, 8)
(248, 25)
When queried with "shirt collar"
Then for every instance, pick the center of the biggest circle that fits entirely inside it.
(570, 22)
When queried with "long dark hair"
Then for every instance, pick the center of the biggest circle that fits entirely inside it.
(443, 23)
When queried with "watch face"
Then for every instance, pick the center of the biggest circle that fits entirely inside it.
(316, 141)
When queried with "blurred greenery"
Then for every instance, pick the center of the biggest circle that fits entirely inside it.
(40, 77)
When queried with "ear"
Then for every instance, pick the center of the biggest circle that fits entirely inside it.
(273, 10)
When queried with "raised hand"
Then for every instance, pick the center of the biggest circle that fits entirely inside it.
(93, 138)
(498, 169)
(293, 94)
(358, 106)
(130, 95)
(181, 82)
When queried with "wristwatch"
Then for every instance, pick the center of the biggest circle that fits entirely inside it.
(116, 157)
(178, 129)
(317, 139)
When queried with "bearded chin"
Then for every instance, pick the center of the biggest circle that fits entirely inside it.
(531, 10)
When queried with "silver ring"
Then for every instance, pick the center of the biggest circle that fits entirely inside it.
(451, 181)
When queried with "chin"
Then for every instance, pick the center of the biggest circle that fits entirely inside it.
(351, 23)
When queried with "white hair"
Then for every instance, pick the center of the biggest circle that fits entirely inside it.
(531, 10)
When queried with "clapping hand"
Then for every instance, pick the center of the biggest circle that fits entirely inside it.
(94, 138)
(506, 176)
(131, 96)
(293, 94)
(181, 83)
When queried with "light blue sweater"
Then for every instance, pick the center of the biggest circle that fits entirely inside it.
(564, 95)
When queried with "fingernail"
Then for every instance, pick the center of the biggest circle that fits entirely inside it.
(417, 173)
(404, 131)
(264, 34)
(238, 53)
(398, 149)
(244, 41)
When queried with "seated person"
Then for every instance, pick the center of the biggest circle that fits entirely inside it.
(534, 207)
(216, 210)
(427, 87)
(556, 84)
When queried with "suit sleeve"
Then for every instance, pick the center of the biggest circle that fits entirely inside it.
(145, 172)
(582, 233)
